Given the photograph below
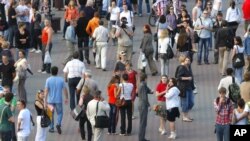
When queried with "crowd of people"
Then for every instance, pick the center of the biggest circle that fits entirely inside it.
(26, 27)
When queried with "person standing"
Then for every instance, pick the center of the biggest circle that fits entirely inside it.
(8, 120)
(143, 105)
(73, 71)
(41, 132)
(217, 7)
(99, 107)
(101, 37)
(114, 11)
(12, 22)
(22, 38)
(140, 7)
(24, 120)
(47, 36)
(172, 104)
(204, 25)
(224, 111)
(54, 88)
(196, 11)
(227, 80)
(71, 40)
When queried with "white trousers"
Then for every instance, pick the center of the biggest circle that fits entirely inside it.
(98, 133)
(41, 133)
(101, 55)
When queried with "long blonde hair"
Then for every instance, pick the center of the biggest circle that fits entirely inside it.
(164, 33)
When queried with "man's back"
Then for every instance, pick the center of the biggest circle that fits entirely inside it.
(55, 85)
(5, 114)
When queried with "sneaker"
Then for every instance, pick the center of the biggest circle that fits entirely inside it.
(40, 70)
(160, 130)
(51, 130)
(38, 51)
(140, 15)
(122, 134)
(44, 72)
(59, 130)
(33, 50)
(163, 132)
(172, 135)
(133, 117)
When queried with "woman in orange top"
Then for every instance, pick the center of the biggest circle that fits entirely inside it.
(71, 13)
(47, 34)
(112, 93)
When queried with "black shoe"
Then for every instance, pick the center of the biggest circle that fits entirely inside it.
(51, 130)
(207, 63)
(154, 74)
(104, 70)
(88, 61)
(59, 130)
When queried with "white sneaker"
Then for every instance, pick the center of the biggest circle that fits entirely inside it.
(33, 50)
(160, 130)
(38, 51)
(172, 135)
(39, 71)
(44, 72)
(163, 132)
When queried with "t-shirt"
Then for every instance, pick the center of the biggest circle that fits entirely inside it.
(129, 15)
(22, 9)
(12, 103)
(216, 5)
(114, 13)
(111, 93)
(239, 49)
(7, 74)
(55, 85)
(5, 125)
(90, 83)
(160, 88)
(24, 115)
(126, 90)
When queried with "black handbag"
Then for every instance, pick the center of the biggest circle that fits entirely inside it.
(45, 120)
(108, 16)
(238, 60)
(77, 112)
(170, 53)
(101, 121)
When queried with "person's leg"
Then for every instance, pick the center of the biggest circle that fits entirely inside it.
(81, 126)
(219, 132)
(190, 97)
(199, 54)
(166, 64)
(221, 56)
(162, 66)
(110, 118)
(123, 118)
(72, 93)
(89, 128)
(98, 135)
(129, 116)
(71, 50)
(113, 122)
(13, 132)
(143, 123)
(51, 126)
(104, 56)
(148, 6)
(226, 133)
(80, 47)
(66, 24)
(129, 51)
(225, 60)
(151, 64)
(98, 56)
(206, 51)
(59, 111)
(86, 48)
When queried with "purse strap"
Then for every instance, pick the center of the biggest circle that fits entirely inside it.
(97, 109)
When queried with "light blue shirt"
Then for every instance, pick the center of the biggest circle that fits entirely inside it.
(70, 34)
(55, 86)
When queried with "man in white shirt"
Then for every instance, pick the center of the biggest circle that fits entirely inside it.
(128, 14)
(227, 80)
(73, 71)
(205, 26)
(217, 7)
(103, 108)
(23, 12)
(101, 36)
(23, 121)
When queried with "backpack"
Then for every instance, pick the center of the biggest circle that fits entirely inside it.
(234, 91)
(238, 59)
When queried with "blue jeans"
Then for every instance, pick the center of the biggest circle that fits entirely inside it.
(112, 116)
(140, 6)
(238, 73)
(12, 29)
(74, 98)
(203, 43)
(59, 110)
(187, 102)
(5, 136)
(222, 131)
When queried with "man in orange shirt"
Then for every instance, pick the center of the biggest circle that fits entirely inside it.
(92, 25)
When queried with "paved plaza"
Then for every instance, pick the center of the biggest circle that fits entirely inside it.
(206, 76)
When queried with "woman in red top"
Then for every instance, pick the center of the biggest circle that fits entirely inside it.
(132, 79)
(112, 93)
(161, 90)
(71, 13)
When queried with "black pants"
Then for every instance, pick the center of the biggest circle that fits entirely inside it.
(83, 45)
(66, 24)
(143, 122)
(123, 111)
(72, 92)
(89, 128)
(37, 41)
(233, 26)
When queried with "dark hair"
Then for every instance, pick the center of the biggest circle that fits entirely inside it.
(238, 39)
(229, 71)
(232, 4)
(22, 51)
(97, 94)
(54, 70)
(76, 55)
(8, 97)
(219, 13)
(174, 81)
(224, 23)
(162, 19)
(101, 22)
(241, 103)
(23, 102)
(113, 80)
(148, 29)
(125, 76)
(143, 77)
(222, 90)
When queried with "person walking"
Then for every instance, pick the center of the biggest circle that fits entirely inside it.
(71, 40)
(73, 71)
(54, 87)
(101, 37)
(99, 107)
(143, 105)
(41, 132)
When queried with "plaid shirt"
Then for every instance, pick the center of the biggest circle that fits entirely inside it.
(224, 112)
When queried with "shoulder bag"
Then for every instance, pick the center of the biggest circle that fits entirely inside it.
(101, 121)
(196, 35)
(120, 102)
(238, 59)
(45, 120)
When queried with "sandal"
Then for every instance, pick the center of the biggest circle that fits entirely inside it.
(187, 120)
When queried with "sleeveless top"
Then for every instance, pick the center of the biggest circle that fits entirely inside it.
(238, 115)
(38, 110)
(45, 36)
